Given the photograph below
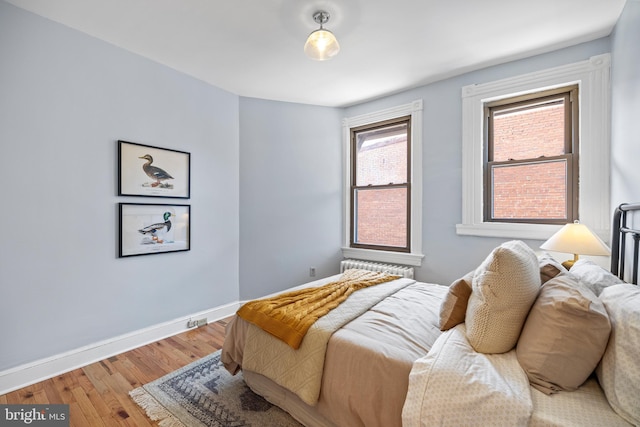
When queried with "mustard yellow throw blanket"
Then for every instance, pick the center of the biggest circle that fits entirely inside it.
(289, 316)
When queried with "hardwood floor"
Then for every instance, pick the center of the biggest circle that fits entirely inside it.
(97, 394)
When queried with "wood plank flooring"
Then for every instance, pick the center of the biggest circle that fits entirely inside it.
(98, 394)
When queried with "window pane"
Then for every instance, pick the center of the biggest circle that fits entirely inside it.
(381, 217)
(382, 156)
(530, 191)
(529, 132)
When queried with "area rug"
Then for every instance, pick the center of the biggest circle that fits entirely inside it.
(203, 393)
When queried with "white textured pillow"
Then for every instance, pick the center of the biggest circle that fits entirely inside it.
(619, 369)
(593, 276)
(505, 287)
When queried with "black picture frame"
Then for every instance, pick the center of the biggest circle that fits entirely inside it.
(153, 228)
(148, 171)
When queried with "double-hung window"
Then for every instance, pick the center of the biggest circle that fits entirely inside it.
(531, 163)
(383, 185)
(380, 185)
(510, 191)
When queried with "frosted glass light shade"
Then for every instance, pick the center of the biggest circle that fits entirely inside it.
(321, 45)
(576, 239)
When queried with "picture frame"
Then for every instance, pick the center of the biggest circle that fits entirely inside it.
(149, 228)
(148, 171)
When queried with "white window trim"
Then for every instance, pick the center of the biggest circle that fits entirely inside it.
(593, 79)
(414, 258)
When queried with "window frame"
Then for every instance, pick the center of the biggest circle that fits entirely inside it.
(354, 187)
(593, 79)
(414, 256)
(570, 96)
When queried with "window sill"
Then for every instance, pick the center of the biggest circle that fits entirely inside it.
(517, 231)
(402, 258)
(508, 230)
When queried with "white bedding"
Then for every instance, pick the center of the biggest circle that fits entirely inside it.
(367, 363)
(300, 370)
(453, 385)
(377, 360)
(586, 406)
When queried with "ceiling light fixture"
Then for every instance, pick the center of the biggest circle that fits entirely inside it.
(321, 44)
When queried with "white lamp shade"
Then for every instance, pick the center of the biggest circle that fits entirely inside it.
(576, 239)
(321, 45)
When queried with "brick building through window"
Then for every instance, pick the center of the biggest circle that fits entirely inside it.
(380, 186)
(530, 169)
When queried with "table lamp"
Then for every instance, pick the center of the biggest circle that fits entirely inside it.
(576, 239)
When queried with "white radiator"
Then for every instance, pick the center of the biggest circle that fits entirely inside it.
(398, 270)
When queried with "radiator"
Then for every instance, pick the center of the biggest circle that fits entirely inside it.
(398, 270)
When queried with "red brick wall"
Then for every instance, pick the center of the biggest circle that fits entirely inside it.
(529, 134)
(382, 217)
(383, 164)
(531, 191)
(382, 214)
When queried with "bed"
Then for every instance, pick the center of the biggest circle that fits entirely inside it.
(408, 353)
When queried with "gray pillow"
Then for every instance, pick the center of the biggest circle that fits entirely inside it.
(593, 276)
(619, 370)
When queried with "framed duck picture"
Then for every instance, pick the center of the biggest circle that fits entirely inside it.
(147, 229)
(144, 170)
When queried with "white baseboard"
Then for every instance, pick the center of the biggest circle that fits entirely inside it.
(40, 370)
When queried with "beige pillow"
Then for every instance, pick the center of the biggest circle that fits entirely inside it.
(504, 288)
(549, 267)
(564, 336)
(619, 370)
(454, 305)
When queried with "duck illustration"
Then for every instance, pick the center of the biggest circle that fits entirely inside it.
(153, 228)
(154, 172)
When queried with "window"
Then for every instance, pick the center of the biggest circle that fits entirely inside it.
(591, 77)
(383, 185)
(531, 171)
(380, 185)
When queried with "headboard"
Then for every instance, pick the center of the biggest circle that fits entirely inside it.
(623, 227)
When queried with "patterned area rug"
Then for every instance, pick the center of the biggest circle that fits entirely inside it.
(203, 393)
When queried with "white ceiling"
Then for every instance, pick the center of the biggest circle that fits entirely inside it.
(254, 48)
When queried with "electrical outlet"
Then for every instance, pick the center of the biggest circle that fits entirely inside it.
(196, 323)
(312, 272)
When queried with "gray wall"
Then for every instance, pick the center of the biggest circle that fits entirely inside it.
(290, 194)
(266, 183)
(625, 138)
(65, 99)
